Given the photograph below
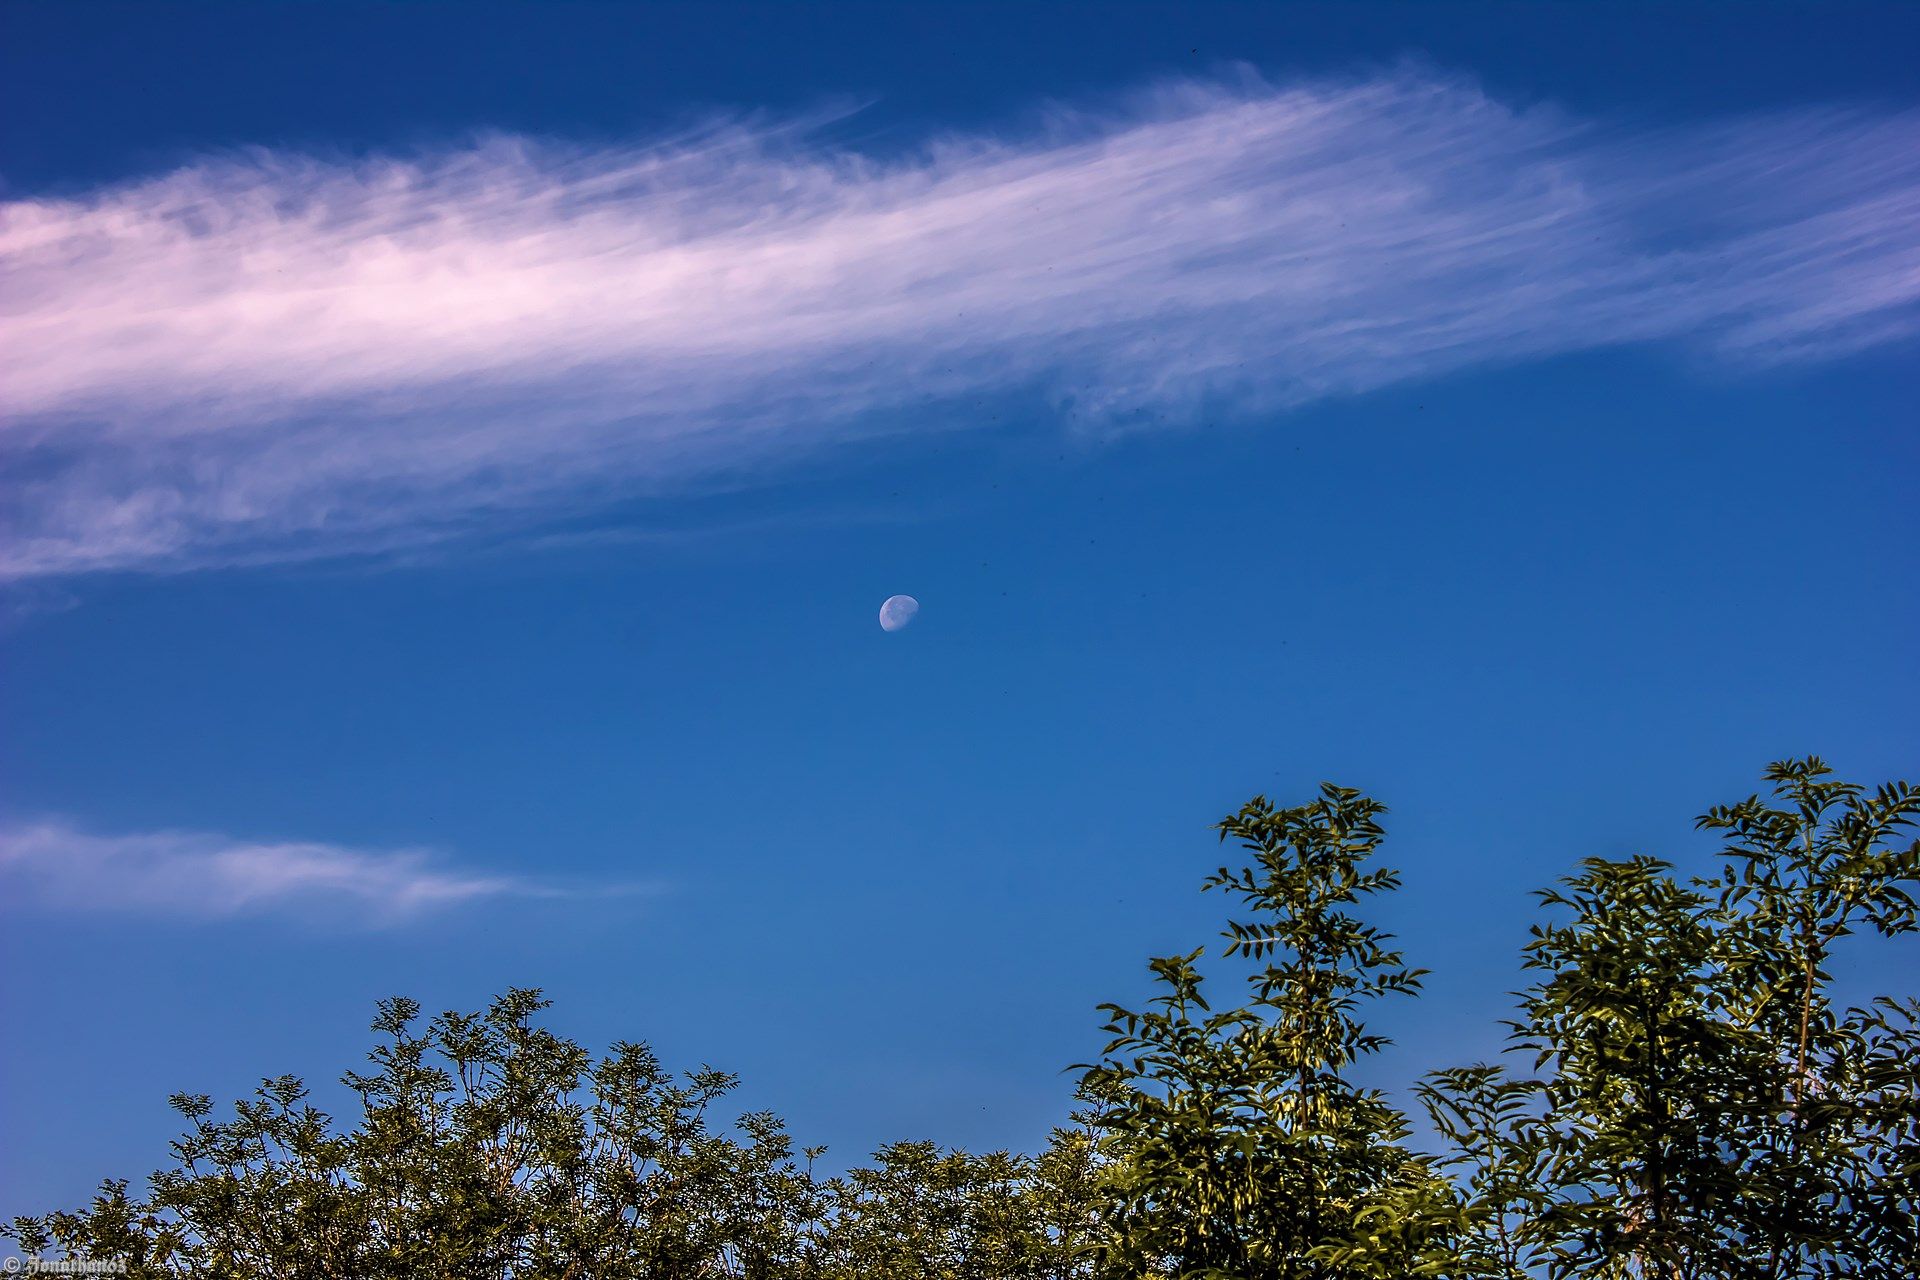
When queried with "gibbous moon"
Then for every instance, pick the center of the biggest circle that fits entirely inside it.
(897, 612)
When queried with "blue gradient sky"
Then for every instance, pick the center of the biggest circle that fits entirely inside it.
(1545, 602)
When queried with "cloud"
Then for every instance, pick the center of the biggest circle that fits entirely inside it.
(267, 356)
(51, 865)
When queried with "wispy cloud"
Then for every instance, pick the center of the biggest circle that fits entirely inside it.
(268, 355)
(51, 865)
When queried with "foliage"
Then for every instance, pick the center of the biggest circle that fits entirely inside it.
(920, 1212)
(491, 1147)
(1693, 1104)
(1238, 1144)
(1703, 1110)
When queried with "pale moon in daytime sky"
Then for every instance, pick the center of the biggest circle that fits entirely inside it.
(897, 612)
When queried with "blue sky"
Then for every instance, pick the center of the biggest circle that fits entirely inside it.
(455, 455)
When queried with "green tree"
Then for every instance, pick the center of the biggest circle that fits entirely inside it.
(1829, 1156)
(488, 1146)
(1496, 1148)
(1239, 1146)
(1651, 1074)
(920, 1212)
(1702, 1109)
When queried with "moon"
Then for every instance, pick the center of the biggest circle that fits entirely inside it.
(897, 612)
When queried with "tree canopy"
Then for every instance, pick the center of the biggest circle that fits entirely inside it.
(1685, 1100)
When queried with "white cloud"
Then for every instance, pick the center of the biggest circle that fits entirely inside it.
(52, 865)
(267, 355)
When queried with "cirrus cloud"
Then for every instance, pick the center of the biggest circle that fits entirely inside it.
(271, 356)
(52, 865)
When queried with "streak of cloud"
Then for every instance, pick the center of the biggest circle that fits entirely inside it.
(51, 865)
(272, 356)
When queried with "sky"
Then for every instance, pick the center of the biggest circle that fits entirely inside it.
(454, 457)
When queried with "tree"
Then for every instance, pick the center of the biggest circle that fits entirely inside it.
(1829, 1157)
(488, 1146)
(1703, 1109)
(1653, 1075)
(1697, 1106)
(1238, 1145)
(923, 1212)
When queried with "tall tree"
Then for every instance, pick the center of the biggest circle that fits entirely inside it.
(1829, 1158)
(1702, 1108)
(1240, 1146)
(488, 1146)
